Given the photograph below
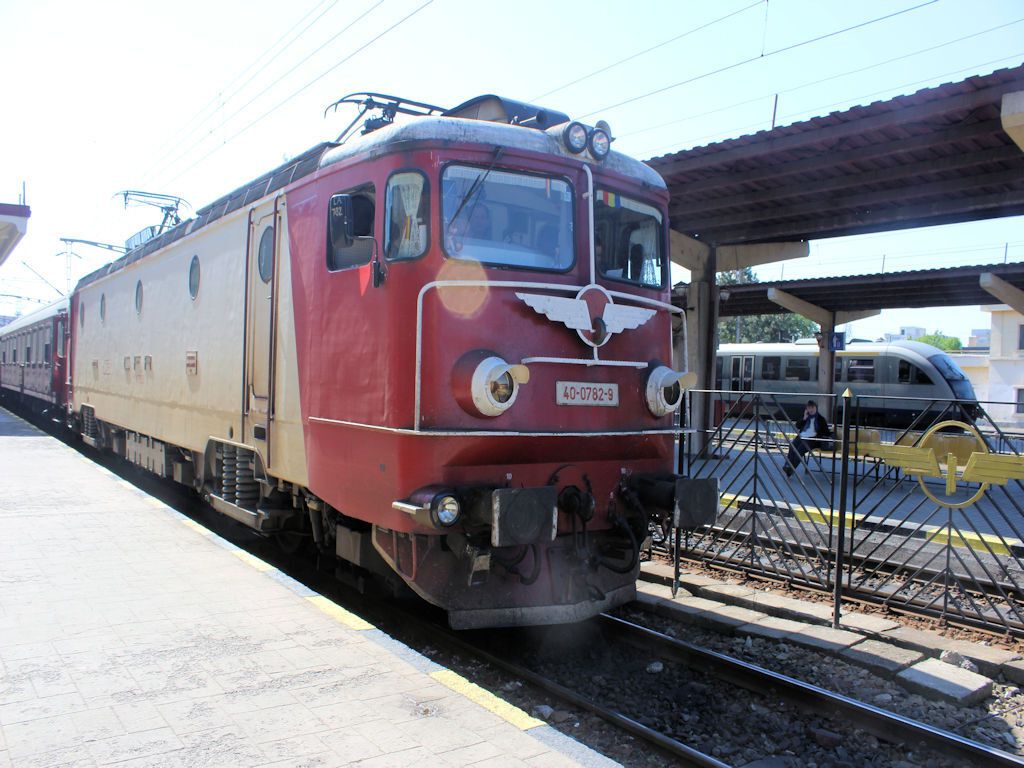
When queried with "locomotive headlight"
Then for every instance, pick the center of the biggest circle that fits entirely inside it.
(664, 390)
(493, 384)
(600, 143)
(575, 137)
(445, 510)
(503, 388)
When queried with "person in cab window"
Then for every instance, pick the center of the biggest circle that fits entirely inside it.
(547, 241)
(812, 429)
(480, 222)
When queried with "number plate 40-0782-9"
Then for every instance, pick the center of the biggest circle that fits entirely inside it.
(586, 393)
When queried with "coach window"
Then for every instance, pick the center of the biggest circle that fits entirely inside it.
(1020, 337)
(406, 213)
(193, 277)
(798, 369)
(770, 368)
(910, 374)
(860, 369)
(718, 373)
(28, 354)
(342, 255)
(1020, 401)
(265, 257)
(46, 353)
(103, 307)
(138, 297)
(81, 314)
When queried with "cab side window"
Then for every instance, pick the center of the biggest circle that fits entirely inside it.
(341, 255)
(407, 215)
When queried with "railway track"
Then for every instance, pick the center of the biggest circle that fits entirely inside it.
(811, 699)
(878, 722)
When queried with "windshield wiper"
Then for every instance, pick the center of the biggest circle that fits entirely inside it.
(475, 187)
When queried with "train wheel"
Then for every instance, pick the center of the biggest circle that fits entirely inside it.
(296, 538)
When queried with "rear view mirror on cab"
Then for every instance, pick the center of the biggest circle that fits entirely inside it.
(342, 225)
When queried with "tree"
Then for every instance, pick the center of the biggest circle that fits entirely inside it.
(785, 327)
(940, 340)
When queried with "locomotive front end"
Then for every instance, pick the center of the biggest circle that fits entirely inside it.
(531, 399)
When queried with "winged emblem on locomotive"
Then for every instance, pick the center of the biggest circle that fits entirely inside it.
(922, 461)
(578, 314)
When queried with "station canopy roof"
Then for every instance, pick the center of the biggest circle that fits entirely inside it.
(937, 156)
(13, 224)
(955, 286)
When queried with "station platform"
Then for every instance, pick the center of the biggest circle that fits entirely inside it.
(131, 635)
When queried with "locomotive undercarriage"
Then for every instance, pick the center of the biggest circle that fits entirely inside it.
(507, 563)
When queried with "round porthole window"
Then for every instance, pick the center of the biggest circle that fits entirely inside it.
(138, 297)
(266, 255)
(103, 307)
(193, 277)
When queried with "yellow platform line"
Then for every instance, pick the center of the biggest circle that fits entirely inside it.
(252, 560)
(486, 699)
(940, 534)
(196, 527)
(339, 614)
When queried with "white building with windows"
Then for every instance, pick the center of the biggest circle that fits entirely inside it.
(998, 377)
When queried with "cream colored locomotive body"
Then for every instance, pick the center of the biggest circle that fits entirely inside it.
(194, 371)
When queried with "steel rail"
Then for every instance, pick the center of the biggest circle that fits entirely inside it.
(689, 755)
(878, 722)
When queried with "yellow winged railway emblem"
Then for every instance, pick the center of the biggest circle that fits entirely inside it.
(922, 461)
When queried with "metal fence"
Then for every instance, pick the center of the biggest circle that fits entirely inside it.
(926, 516)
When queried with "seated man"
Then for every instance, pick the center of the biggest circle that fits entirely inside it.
(810, 429)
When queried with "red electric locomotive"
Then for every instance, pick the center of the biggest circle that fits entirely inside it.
(452, 339)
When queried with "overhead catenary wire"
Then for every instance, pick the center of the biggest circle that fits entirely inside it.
(847, 73)
(645, 51)
(726, 134)
(761, 57)
(312, 82)
(277, 81)
(196, 121)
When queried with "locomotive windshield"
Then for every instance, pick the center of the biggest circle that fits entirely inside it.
(627, 239)
(505, 218)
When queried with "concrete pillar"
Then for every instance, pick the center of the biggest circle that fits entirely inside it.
(702, 342)
(826, 357)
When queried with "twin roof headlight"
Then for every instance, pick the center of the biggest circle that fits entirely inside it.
(577, 138)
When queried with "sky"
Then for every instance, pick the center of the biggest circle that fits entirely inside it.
(195, 98)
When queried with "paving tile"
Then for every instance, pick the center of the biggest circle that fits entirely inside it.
(921, 640)
(1014, 671)
(938, 680)
(35, 708)
(730, 617)
(771, 627)
(881, 658)
(989, 659)
(868, 622)
(825, 638)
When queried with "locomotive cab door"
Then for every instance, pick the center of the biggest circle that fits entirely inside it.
(260, 311)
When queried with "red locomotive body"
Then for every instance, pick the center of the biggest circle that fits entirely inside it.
(453, 341)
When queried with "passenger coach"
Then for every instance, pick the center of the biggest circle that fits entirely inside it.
(33, 355)
(441, 350)
(898, 380)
